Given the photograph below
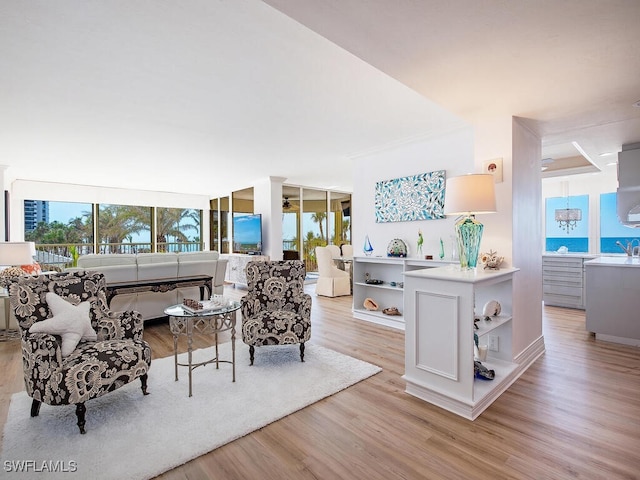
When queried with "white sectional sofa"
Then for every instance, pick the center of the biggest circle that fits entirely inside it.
(151, 266)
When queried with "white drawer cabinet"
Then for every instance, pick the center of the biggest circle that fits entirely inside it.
(563, 280)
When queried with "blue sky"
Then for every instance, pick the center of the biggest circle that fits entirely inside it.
(65, 211)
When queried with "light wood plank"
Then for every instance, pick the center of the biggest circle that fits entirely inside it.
(574, 414)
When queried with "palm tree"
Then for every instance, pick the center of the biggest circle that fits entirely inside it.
(319, 218)
(169, 223)
(117, 222)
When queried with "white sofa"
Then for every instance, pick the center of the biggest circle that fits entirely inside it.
(151, 266)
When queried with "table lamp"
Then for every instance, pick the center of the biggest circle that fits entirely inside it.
(466, 196)
(14, 254)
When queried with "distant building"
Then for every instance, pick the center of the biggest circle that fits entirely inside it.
(35, 211)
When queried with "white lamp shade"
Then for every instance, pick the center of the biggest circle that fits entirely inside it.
(17, 253)
(469, 194)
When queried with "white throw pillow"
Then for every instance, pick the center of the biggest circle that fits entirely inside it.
(69, 321)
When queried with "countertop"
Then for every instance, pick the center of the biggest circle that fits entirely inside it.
(619, 261)
(570, 254)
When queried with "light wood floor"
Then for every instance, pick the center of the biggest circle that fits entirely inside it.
(574, 414)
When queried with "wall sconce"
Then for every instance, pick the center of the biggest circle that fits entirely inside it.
(468, 195)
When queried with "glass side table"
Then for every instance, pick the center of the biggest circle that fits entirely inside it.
(208, 322)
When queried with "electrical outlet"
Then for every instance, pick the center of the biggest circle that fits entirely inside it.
(494, 343)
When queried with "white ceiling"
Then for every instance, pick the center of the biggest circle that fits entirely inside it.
(209, 96)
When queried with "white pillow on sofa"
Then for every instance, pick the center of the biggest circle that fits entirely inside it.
(71, 322)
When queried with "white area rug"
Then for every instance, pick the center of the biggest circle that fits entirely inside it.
(134, 436)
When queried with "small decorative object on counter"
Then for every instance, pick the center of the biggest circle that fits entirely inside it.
(483, 372)
(371, 281)
(367, 249)
(370, 304)
(420, 242)
(397, 248)
(492, 308)
(491, 260)
(441, 249)
(391, 311)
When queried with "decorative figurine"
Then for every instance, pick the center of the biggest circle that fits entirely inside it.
(491, 309)
(397, 248)
(420, 242)
(491, 260)
(367, 249)
(441, 249)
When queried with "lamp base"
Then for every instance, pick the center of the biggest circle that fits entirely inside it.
(469, 235)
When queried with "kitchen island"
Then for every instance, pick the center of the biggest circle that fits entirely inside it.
(613, 298)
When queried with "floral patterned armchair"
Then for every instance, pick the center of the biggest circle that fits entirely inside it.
(116, 356)
(276, 311)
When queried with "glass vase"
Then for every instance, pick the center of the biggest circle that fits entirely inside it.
(469, 235)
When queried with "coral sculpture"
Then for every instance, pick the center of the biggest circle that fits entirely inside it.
(491, 260)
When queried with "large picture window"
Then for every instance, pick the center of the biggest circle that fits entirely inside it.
(124, 229)
(567, 223)
(611, 230)
(64, 230)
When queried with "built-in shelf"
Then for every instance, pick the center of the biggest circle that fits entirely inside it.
(386, 269)
(440, 307)
(486, 326)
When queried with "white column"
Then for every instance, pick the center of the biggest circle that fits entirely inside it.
(267, 201)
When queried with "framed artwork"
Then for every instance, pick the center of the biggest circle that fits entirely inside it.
(417, 197)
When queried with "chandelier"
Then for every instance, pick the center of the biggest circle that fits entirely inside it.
(567, 218)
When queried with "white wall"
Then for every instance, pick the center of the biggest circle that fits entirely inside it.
(512, 231)
(452, 152)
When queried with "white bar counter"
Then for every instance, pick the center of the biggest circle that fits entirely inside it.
(614, 261)
(613, 298)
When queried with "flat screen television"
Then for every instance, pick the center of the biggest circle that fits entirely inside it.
(247, 233)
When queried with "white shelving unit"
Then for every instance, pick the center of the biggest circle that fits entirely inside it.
(387, 269)
(440, 307)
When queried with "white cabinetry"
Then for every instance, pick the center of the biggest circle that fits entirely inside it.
(613, 299)
(236, 267)
(563, 280)
(440, 306)
(388, 270)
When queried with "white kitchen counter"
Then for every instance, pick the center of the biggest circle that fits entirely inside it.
(613, 299)
(614, 261)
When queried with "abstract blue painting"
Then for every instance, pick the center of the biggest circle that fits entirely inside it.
(417, 197)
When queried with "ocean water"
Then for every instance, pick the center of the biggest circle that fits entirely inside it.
(581, 244)
(608, 244)
(574, 244)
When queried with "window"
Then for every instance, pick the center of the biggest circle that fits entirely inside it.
(567, 223)
(611, 230)
(124, 229)
(178, 229)
(61, 231)
(64, 230)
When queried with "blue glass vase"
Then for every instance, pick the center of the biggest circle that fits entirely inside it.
(367, 249)
(469, 235)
